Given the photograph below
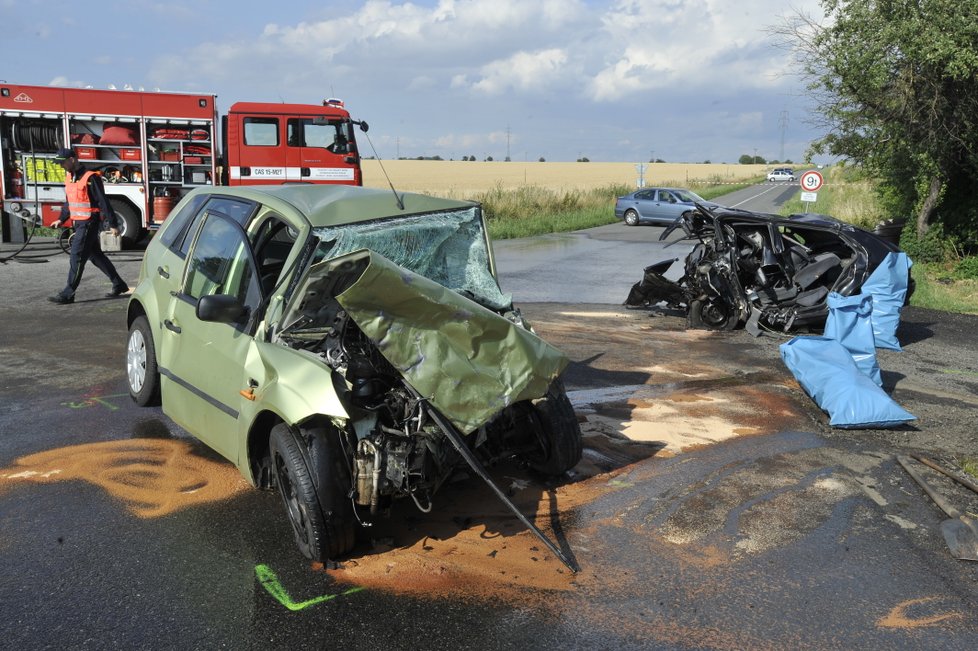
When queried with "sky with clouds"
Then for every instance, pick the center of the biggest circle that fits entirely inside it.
(626, 80)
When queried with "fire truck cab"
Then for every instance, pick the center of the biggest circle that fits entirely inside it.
(153, 147)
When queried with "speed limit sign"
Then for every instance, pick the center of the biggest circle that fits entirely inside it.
(811, 181)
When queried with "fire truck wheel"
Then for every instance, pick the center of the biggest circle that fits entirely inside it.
(131, 228)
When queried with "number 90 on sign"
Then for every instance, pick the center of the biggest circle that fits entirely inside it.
(811, 181)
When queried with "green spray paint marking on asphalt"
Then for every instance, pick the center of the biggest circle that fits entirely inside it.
(93, 401)
(268, 579)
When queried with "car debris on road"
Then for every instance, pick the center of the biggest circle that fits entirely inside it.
(762, 270)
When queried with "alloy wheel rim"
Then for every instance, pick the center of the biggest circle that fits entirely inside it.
(136, 361)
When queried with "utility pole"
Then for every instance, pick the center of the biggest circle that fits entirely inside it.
(507, 143)
(754, 160)
(783, 124)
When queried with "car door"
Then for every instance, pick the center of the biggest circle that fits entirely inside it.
(667, 207)
(201, 362)
(318, 149)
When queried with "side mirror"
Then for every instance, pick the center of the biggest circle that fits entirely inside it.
(221, 308)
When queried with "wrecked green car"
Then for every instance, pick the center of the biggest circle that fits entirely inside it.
(348, 346)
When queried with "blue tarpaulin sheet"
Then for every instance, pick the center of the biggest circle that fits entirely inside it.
(888, 286)
(850, 323)
(827, 373)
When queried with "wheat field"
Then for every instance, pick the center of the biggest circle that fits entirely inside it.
(465, 178)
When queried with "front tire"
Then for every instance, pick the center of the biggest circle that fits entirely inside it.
(559, 434)
(631, 218)
(142, 373)
(313, 480)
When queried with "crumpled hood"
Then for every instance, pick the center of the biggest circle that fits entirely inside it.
(467, 360)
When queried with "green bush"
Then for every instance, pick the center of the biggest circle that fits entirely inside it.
(935, 246)
(967, 268)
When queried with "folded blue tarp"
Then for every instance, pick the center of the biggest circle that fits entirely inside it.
(827, 372)
(850, 323)
(888, 285)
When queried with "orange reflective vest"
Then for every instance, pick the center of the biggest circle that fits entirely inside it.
(79, 203)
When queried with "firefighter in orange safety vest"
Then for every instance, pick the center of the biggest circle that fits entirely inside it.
(87, 208)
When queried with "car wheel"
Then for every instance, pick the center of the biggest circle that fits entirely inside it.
(712, 315)
(631, 218)
(311, 475)
(557, 431)
(141, 371)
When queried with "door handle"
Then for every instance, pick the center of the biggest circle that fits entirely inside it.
(163, 272)
(170, 325)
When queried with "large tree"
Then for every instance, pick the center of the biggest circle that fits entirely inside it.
(896, 85)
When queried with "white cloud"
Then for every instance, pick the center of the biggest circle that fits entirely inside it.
(527, 71)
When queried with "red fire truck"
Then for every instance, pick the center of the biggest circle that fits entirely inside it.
(154, 147)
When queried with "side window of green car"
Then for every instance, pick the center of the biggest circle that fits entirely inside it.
(221, 262)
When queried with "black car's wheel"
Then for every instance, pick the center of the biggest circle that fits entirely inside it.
(142, 373)
(557, 431)
(631, 218)
(313, 480)
(712, 314)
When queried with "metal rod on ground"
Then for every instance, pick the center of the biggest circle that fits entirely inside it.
(960, 531)
(961, 480)
(453, 435)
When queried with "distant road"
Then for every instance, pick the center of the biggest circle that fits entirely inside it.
(763, 197)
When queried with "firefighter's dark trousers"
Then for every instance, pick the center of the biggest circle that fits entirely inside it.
(85, 246)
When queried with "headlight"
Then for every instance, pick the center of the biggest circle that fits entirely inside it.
(15, 206)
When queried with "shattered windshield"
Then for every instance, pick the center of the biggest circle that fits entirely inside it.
(447, 247)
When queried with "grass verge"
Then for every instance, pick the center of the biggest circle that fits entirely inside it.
(970, 466)
(533, 210)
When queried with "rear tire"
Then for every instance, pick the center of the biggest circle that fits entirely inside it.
(142, 373)
(631, 218)
(313, 480)
(558, 432)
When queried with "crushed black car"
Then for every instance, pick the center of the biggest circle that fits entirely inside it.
(761, 270)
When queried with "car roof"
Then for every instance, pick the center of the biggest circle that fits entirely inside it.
(334, 205)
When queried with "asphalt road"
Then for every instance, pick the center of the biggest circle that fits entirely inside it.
(714, 509)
